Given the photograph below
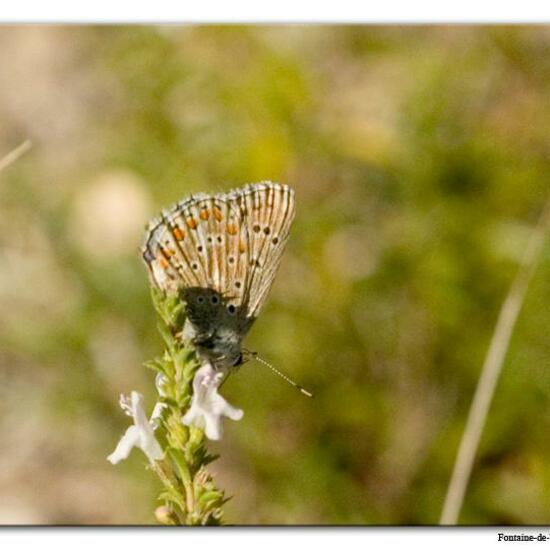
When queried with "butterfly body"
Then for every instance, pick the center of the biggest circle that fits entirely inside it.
(220, 253)
(216, 333)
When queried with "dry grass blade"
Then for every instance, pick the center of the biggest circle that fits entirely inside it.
(491, 371)
(11, 157)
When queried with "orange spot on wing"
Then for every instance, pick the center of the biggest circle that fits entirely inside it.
(242, 247)
(163, 263)
(217, 214)
(231, 228)
(191, 223)
(205, 214)
(179, 235)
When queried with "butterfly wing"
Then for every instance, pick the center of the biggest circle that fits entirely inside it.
(231, 243)
(268, 210)
(197, 244)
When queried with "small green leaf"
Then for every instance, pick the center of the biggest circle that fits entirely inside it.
(178, 459)
(168, 401)
(210, 497)
(167, 336)
(155, 364)
(208, 458)
(173, 496)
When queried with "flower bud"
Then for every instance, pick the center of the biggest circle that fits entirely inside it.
(164, 515)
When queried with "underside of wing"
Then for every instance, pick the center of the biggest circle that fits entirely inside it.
(199, 243)
(268, 210)
(231, 243)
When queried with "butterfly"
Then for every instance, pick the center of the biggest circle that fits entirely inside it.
(220, 253)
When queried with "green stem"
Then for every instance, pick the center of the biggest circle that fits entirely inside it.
(189, 494)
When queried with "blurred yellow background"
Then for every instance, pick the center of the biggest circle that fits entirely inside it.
(420, 159)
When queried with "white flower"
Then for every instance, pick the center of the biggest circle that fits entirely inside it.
(160, 380)
(207, 405)
(141, 434)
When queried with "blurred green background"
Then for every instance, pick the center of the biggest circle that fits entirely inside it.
(420, 159)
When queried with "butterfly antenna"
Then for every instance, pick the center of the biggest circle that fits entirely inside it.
(254, 355)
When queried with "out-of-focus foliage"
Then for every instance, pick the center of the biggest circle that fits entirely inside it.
(420, 159)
